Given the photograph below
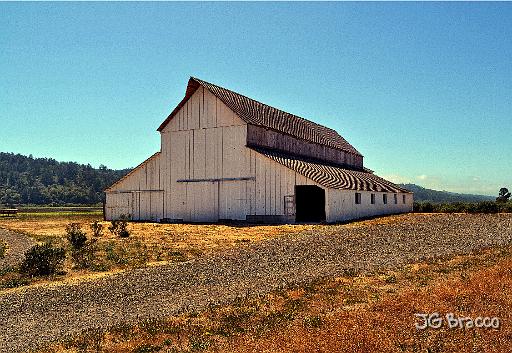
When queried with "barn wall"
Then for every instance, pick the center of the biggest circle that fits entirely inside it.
(273, 182)
(258, 136)
(139, 195)
(341, 205)
(202, 146)
(117, 204)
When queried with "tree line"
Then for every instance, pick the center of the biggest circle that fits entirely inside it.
(45, 181)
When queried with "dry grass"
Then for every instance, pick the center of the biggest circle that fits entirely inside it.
(353, 313)
(148, 244)
(47, 227)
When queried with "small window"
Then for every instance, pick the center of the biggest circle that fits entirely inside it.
(395, 196)
(372, 199)
(403, 198)
(385, 199)
(358, 198)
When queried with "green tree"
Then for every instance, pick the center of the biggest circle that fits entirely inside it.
(28, 180)
(503, 195)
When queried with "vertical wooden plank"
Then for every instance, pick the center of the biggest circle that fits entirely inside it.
(227, 163)
(179, 162)
(279, 196)
(266, 188)
(260, 188)
(251, 190)
(194, 113)
(199, 151)
(188, 113)
(211, 152)
(219, 151)
(271, 188)
(212, 103)
(169, 174)
(200, 104)
(193, 118)
(222, 211)
(220, 114)
(189, 205)
(190, 153)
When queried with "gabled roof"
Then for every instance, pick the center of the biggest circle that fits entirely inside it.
(256, 113)
(331, 176)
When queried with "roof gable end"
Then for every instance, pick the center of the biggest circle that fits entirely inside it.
(257, 113)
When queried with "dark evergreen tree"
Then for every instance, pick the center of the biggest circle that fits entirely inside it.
(503, 195)
(28, 180)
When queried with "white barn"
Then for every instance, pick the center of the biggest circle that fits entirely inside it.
(225, 156)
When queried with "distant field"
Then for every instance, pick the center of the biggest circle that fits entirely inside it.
(50, 210)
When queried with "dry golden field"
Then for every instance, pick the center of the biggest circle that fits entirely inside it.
(148, 243)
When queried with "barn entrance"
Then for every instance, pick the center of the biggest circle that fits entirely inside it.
(309, 203)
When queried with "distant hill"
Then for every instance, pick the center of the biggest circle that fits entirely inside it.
(44, 181)
(423, 194)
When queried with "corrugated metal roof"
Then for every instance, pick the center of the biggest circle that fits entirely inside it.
(257, 113)
(331, 176)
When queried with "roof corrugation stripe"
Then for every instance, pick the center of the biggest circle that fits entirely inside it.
(331, 176)
(257, 113)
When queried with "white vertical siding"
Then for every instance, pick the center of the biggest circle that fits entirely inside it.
(342, 206)
(139, 195)
(273, 182)
(205, 140)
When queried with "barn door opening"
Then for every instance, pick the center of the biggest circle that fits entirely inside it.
(309, 203)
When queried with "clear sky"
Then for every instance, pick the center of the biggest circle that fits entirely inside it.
(422, 90)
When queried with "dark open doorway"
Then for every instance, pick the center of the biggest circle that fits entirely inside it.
(309, 203)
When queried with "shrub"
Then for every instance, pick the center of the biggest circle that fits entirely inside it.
(469, 207)
(97, 229)
(43, 260)
(119, 227)
(85, 256)
(487, 207)
(76, 236)
(423, 207)
(506, 207)
(312, 321)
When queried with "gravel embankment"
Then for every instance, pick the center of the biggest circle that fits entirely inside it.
(17, 244)
(31, 317)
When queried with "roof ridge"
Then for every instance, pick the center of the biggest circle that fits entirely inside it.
(260, 114)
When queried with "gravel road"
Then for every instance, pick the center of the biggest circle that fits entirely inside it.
(17, 245)
(31, 317)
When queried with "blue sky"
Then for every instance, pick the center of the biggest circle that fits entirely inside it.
(422, 90)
